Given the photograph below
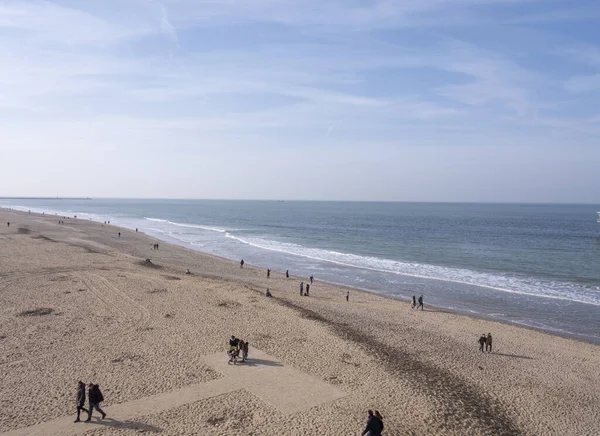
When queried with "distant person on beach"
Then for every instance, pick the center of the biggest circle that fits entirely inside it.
(348, 296)
(301, 289)
(287, 273)
(119, 234)
(373, 427)
(268, 273)
(157, 246)
(420, 300)
(136, 230)
(488, 343)
(307, 289)
(80, 399)
(414, 302)
(311, 279)
(242, 264)
(8, 224)
(482, 341)
(95, 397)
(268, 293)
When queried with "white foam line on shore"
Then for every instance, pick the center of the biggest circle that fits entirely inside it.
(337, 262)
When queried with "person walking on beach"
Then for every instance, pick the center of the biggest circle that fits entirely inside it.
(80, 399)
(488, 343)
(482, 341)
(348, 296)
(287, 273)
(307, 289)
(373, 427)
(420, 300)
(119, 234)
(414, 302)
(380, 418)
(311, 279)
(301, 289)
(95, 397)
(244, 351)
(268, 273)
(242, 264)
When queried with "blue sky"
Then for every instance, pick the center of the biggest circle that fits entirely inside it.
(430, 100)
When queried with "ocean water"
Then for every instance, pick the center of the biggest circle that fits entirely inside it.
(534, 265)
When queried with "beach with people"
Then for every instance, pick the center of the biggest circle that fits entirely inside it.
(84, 301)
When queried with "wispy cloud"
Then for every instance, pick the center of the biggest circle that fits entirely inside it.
(156, 74)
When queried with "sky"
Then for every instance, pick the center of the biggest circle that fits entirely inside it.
(428, 100)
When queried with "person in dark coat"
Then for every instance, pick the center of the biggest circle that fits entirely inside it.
(373, 427)
(80, 399)
(95, 397)
(420, 300)
(287, 273)
(307, 289)
(414, 302)
(482, 342)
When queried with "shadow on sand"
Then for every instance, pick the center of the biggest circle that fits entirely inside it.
(517, 356)
(128, 424)
(260, 362)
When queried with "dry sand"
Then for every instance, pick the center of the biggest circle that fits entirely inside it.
(154, 339)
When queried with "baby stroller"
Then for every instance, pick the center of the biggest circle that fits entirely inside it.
(233, 354)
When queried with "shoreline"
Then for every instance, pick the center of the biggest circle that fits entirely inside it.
(146, 331)
(380, 293)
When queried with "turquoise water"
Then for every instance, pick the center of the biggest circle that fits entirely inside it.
(536, 265)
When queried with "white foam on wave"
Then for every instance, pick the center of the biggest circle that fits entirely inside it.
(196, 226)
(514, 285)
(158, 220)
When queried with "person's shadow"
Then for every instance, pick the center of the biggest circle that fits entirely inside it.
(128, 424)
(517, 356)
(260, 362)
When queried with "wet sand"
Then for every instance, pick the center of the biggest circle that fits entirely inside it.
(148, 334)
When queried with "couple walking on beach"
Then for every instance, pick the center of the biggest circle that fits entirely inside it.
(485, 341)
(95, 397)
(414, 302)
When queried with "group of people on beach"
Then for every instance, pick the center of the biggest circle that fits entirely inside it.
(485, 341)
(237, 346)
(95, 397)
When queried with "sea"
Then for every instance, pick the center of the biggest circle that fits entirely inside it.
(536, 265)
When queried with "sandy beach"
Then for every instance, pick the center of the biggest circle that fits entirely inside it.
(78, 302)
